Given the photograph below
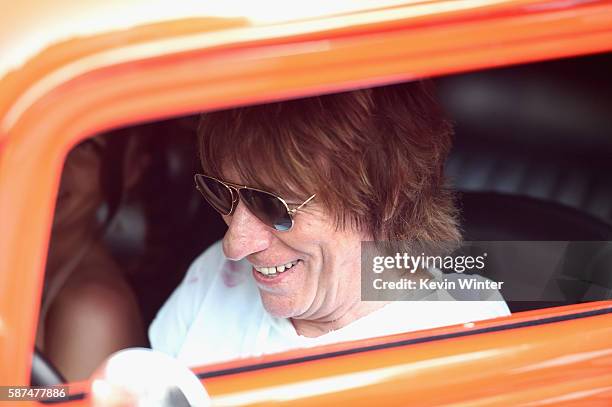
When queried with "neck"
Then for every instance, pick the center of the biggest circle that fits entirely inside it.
(313, 328)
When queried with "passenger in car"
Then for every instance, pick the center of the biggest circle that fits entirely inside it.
(88, 309)
(300, 185)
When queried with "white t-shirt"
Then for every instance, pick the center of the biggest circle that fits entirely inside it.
(216, 314)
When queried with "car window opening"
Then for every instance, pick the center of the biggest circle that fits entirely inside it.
(531, 161)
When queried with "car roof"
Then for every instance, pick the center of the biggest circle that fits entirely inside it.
(45, 43)
(31, 26)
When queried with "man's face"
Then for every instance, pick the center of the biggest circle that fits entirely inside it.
(324, 281)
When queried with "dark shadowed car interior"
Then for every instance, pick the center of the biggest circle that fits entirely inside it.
(533, 162)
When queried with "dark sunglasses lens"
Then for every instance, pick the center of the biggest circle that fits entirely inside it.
(217, 194)
(267, 208)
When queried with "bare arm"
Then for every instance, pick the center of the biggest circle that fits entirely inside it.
(90, 319)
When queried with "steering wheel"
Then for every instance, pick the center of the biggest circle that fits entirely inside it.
(43, 371)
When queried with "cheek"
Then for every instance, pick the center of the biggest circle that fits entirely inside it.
(82, 173)
(317, 225)
(313, 238)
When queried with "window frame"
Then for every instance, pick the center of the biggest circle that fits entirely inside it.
(115, 78)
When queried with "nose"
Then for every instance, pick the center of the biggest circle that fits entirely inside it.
(245, 234)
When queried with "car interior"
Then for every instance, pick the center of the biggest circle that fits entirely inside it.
(532, 161)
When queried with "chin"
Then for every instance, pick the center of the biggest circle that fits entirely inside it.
(279, 306)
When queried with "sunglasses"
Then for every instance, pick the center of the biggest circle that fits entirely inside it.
(270, 209)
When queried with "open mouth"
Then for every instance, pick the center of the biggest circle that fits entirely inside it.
(274, 271)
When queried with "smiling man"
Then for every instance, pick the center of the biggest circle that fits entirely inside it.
(300, 185)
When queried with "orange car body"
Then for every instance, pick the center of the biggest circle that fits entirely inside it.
(69, 70)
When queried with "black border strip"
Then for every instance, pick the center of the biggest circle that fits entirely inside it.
(268, 365)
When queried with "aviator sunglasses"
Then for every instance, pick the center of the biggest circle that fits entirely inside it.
(270, 209)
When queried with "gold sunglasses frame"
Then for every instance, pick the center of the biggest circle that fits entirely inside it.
(235, 194)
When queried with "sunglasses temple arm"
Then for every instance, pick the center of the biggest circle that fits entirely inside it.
(293, 211)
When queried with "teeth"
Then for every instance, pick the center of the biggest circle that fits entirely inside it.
(272, 271)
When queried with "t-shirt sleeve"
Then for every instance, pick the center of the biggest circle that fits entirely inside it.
(171, 325)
